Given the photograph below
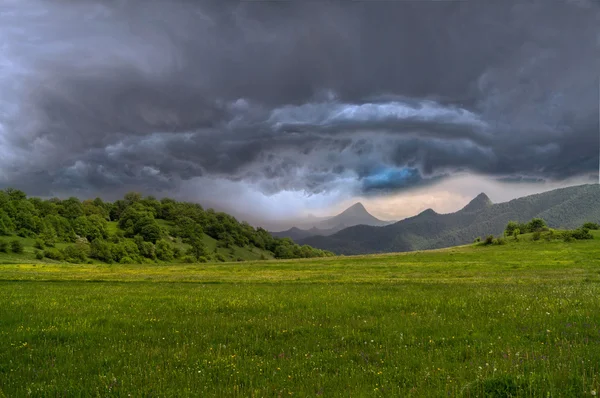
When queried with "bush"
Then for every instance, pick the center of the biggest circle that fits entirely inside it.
(39, 255)
(477, 239)
(126, 260)
(53, 254)
(102, 251)
(164, 251)
(551, 235)
(220, 257)
(39, 244)
(176, 252)
(489, 240)
(148, 250)
(25, 233)
(3, 246)
(536, 235)
(500, 241)
(77, 253)
(581, 233)
(16, 246)
(591, 225)
(189, 260)
(516, 233)
(568, 238)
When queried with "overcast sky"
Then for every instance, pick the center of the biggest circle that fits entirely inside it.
(276, 109)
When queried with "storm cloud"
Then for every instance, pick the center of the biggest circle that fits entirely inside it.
(101, 97)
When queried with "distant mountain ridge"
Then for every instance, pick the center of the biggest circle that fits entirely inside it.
(561, 208)
(356, 214)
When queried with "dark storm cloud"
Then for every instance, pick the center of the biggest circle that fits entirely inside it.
(110, 96)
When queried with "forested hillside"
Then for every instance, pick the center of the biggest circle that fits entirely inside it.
(134, 229)
(560, 208)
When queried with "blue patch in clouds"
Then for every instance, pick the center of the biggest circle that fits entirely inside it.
(391, 178)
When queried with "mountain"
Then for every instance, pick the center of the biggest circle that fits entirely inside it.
(296, 233)
(353, 215)
(480, 202)
(356, 214)
(561, 208)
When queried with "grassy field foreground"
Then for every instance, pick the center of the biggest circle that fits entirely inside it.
(521, 319)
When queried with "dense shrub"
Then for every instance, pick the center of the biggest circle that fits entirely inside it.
(164, 250)
(580, 234)
(591, 226)
(77, 253)
(53, 254)
(16, 246)
(101, 250)
(516, 234)
(3, 246)
(489, 240)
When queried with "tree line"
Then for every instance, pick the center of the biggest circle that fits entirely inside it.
(539, 229)
(139, 235)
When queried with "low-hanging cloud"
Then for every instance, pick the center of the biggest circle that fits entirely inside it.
(314, 97)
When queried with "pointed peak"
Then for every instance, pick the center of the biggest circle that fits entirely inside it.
(429, 211)
(481, 201)
(357, 206)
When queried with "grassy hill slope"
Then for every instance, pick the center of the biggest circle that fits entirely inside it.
(135, 229)
(561, 208)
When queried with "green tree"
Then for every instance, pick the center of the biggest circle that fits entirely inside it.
(536, 224)
(149, 229)
(101, 250)
(71, 208)
(6, 224)
(197, 248)
(164, 250)
(516, 233)
(132, 197)
(510, 228)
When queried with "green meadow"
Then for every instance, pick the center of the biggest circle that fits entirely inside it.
(520, 319)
